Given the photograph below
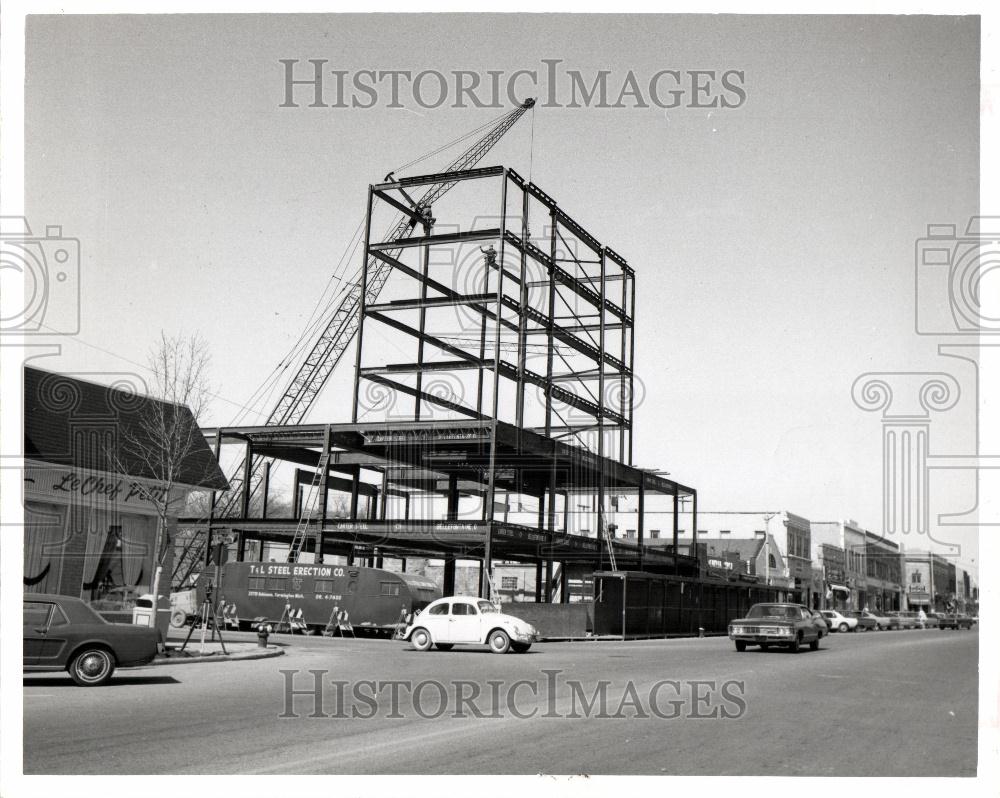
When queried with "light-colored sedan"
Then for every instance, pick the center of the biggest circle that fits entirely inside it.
(466, 620)
(882, 621)
(840, 622)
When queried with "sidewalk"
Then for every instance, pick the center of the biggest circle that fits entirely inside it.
(237, 650)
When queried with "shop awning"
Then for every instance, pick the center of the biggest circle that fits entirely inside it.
(839, 588)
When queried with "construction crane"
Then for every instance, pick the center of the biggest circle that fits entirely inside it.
(337, 334)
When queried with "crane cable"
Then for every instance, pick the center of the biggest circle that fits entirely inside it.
(453, 142)
(267, 387)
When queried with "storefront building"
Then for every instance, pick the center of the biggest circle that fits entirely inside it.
(884, 589)
(930, 582)
(849, 583)
(833, 563)
(96, 512)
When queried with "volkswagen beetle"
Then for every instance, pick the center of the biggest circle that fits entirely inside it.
(461, 620)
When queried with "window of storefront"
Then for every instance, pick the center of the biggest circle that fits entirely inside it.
(45, 528)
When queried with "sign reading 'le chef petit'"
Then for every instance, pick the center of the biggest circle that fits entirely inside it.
(75, 484)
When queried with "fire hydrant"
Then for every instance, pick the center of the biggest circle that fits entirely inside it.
(263, 630)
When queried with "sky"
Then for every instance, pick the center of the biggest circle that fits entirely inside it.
(773, 242)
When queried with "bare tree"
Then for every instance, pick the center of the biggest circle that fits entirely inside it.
(164, 436)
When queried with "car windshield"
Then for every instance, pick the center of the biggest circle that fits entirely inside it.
(485, 606)
(770, 611)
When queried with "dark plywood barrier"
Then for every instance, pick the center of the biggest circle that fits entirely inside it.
(641, 604)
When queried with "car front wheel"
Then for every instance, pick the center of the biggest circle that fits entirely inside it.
(499, 642)
(842, 628)
(421, 639)
(92, 667)
(740, 645)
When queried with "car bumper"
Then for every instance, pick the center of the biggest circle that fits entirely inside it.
(762, 637)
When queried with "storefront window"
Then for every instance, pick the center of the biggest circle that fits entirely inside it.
(123, 568)
(45, 527)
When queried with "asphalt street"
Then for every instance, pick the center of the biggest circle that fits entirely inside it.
(888, 703)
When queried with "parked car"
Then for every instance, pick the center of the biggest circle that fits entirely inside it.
(766, 625)
(904, 620)
(866, 621)
(841, 622)
(915, 619)
(823, 624)
(955, 622)
(65, 633)
(461, 620)
(882, 621)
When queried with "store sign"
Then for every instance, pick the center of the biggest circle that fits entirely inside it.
(724, 564)
(88, 487)
(917, 590)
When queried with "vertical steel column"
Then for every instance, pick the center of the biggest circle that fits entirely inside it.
(212, 504)
(550, 340)
(642, 524)
(484, 586)
(694, 527)
(324, 496)
(448, 586)
(297, 495)
(631, 372)
(539, 577)
(624, 603)
(482, 339)
(385, 494)
(355, 480)
(602, 530)
(362, 303)
(265, 489)
(247, 467)
(676, 529)
(425, 256)
(625, 365)
(522, 329)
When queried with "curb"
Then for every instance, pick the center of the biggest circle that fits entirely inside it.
(270, 651)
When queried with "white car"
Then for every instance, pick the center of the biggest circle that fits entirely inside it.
(460, 620)
(840, 623)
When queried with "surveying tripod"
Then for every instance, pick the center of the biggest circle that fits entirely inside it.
(207, 614)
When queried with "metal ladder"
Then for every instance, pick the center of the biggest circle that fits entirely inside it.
(315, 490)
(610, 541)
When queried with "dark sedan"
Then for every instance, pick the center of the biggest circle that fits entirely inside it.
(64, 633)
(766, 625)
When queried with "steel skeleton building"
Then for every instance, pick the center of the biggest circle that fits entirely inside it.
(520, 326)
